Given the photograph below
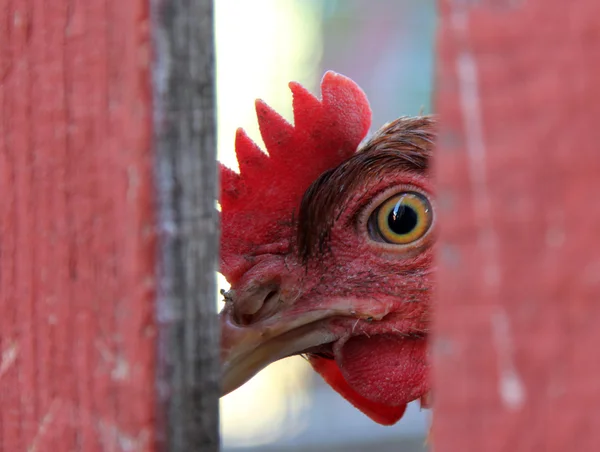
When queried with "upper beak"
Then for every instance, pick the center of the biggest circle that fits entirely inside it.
(247, 349)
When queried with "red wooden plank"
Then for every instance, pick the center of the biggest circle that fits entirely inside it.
(517, 318)
(77, 239)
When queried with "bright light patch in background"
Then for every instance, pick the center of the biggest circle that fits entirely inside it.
(261, 45)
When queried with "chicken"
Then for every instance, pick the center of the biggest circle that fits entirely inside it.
(327, 245)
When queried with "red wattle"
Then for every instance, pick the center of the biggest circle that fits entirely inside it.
(385, 368)
(382, 414)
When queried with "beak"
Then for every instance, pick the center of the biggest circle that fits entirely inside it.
(247, 349)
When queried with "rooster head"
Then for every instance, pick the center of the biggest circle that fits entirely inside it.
(327, 245)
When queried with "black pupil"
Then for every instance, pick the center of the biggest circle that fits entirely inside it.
(402, 219)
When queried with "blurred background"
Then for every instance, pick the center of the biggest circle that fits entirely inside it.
(386, 46)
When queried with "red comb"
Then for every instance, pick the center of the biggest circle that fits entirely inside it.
(259, 204)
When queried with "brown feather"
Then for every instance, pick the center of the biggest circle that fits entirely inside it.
(405, 144)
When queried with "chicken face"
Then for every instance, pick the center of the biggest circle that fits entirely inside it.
(346, 279)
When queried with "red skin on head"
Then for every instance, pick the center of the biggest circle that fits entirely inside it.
(378, 277)
(365, 303)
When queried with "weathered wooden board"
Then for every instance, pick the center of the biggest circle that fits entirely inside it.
(80, 227)
(77, 239)
(518, 170)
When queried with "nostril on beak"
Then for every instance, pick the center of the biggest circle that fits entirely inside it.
(255, 302)
(270, 304)
(269, 307)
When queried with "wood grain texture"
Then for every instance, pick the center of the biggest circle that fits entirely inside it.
(77, 235)
(516, 365)
(186, 180)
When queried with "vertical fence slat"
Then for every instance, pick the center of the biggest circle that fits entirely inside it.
(77, 241)
(186, 169)
(519, 282)
(87, 245)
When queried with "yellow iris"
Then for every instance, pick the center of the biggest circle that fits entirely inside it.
(404, 218)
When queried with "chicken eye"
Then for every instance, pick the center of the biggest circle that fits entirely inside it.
(402, 219)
